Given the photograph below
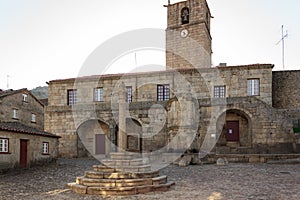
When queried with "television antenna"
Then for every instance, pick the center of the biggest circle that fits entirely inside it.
(283, 37)
(7, 81)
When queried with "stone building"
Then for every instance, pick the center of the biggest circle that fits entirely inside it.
(190, 107)
(23, 141)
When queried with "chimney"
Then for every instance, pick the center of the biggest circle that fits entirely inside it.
(223, 65)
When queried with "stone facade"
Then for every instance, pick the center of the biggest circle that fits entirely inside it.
(14, 100)
(35, 155)
(188, 44)
(286, 98)
(190, 107)
(286, 89)
(263, 129)
(23, 142)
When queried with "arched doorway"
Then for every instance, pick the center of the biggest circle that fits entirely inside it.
(134, 131)
(235, 132)
(93, 138)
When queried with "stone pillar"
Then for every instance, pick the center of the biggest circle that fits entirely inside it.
(123, 105)
(186, 102)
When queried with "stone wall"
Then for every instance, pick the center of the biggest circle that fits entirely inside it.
(194, 50)
(161, 120)
(25, 109)
(34, 148)
(286, 89)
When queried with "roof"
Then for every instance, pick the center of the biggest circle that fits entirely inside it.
(17, 127)
(183, 70)
(44, 101)
(4, 93)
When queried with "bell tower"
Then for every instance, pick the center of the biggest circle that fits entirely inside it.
(188, 39)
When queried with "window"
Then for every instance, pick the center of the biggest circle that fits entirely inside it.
(98, 94)
(33, 118)
(45, 147)
(220, 91)
(3, 145)
(25, 97)
(253, 87)
(185, 15)
(15, 114)
(163, 92)
(72, 97)
(129, 94)
(296, 125)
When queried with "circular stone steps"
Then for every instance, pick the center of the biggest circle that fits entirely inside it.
(90, 182)
(122, 191)
(123, 174)
(126, 168)
(117, 162)
(120, 175)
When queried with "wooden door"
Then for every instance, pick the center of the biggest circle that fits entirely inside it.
(100, 144)
(232, 131)
(23, 153)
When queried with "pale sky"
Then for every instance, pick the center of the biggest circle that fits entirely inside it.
(43, 40)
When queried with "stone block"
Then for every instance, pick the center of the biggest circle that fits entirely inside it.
(92, 174)
(159, 180)
(143, 189)
(222, 162)
(99, 182)
(79, 189)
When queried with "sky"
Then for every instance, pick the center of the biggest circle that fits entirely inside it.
(43, 40)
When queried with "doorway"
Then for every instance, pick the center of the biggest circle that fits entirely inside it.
(100, 144)
(232, 131)
(23, 153)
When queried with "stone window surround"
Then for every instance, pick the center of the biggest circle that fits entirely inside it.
(219, 91)
(2, 149)
(25, 97)
(45, 148)
(99, 94)
(255, 89)
(129, 94)
(72, 97)
(15, 113)
(163, 92)
(33, 118)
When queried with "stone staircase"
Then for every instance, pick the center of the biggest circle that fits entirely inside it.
(122, 174)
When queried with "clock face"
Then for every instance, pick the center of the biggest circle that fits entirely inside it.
(184, 33)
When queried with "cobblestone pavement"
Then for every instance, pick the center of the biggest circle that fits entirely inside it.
(209, 182)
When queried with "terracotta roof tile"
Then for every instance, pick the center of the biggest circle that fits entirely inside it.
(23, 129)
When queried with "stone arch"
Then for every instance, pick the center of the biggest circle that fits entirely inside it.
(93, 138)
(134, 132)
(234, 127)
(185, 15)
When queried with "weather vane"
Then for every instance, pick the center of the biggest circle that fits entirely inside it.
(283, 36)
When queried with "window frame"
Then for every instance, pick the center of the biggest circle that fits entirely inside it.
(45, 144)
(33, 118)
(72, 97)
(163, 92)
(3, 147)
(99, 93)
(253, 90)
(25, 97)
(220, 91)
(128, 94)
(15, 114)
